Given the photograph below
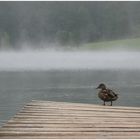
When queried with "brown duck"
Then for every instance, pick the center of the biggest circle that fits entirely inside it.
(105, 94)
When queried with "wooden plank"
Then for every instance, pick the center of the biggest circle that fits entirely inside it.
(74, 117)
(42, 108)
(105, 134)
(104, 109)
(70, 137)
(47, 119)
(41, 122)
(67, 105)
(93, 129)
(72, 125)
(52, 103)
(119, 115)
(59, 122)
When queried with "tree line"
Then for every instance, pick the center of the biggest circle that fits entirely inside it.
(67, 22)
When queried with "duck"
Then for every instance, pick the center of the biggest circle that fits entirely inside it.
(106, 94)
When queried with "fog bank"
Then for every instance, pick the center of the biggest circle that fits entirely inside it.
(68, 60)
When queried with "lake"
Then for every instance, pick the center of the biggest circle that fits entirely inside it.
(20, 87)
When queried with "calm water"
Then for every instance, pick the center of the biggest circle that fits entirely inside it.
(18, 88)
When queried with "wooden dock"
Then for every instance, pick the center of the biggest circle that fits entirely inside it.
(46, 119)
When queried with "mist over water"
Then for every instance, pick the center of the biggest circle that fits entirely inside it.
(68, 60)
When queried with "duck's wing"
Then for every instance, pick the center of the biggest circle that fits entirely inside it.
(111, 93)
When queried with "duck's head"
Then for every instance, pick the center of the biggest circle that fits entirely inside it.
(101, 86)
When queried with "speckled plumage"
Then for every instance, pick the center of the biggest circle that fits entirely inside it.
(107, 95)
